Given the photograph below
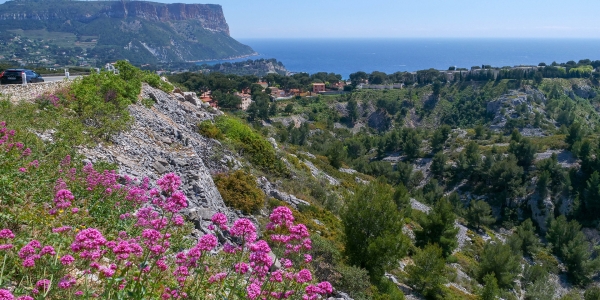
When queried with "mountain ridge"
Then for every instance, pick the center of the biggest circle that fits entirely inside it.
(140, 31)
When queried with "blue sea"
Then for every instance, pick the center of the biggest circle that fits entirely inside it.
(345, 56)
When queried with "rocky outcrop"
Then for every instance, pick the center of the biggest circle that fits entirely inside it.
(527, 103)
(163, 139)
(270, 190)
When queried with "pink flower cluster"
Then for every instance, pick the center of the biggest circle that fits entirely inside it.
(6, 234)
(107, 179)
(50, 99)
(293, 238)
(298, 237)
(34, 251)
(154, 215)
(88, 243)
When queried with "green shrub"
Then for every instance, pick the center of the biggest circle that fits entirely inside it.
(209, 130)
(239, 191)
(101, 100)
(252, 145)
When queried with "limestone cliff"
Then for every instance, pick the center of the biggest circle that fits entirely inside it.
(141, 31)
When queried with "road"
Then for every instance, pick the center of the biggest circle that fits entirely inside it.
(57, 78)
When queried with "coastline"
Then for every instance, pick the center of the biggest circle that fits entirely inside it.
(223, 59)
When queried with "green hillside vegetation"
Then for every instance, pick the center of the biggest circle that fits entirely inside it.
(515, 160)
(83, 33)
(472, 189)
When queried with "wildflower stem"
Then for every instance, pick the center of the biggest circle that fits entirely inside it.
(2, 270)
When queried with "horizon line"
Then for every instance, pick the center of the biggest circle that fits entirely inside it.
(417, 38)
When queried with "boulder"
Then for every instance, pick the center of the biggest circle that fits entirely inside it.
(191, 97)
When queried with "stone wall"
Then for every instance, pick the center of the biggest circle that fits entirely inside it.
(18, 92)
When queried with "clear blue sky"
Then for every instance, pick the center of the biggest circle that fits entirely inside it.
(410, 18)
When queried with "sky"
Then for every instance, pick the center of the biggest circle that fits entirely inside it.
(409, 18)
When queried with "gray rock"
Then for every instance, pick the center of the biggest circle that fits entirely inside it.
(179, 97)
(191, 97)
(162, 161)
(270, 190)
(276, 263)
(159, 167)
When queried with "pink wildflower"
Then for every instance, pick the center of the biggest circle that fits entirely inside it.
(6, 246)
(287, 263)
(177, 220)
(282, 216)
(6, 295)
(303, 276)
(260, 260)
(161, 264)
(66, 161)
(241, 268)
(325, 287)
(24, 298)
(307, 258)
(217, 277)
(220, 220)
(63, 198)
(48, 250)
(29, 263)
(207, 242)
(6, 234)
(66, 282)
(35, 164)
(26, 152)
(169, 183)
(230, 249)
(67, 260)
(253, 291)
(276, 276)
(43, 284)
(22, 170)
(88, 242)
(244, 228)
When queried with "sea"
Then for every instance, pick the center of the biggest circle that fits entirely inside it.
(346, 56)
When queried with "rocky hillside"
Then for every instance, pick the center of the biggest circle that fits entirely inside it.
(141, 31)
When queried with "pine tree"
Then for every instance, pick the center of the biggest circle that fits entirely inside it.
(438, 164)
(490, 288)
(373, 229)
(352, 108)
(592, 196)
(428, 273)
(569, 244)
(530, 242)
(499, 260)
(439, 138)
(523, 149)
(438, 228)
(480, 213)
(411, 143)
(575, 134)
